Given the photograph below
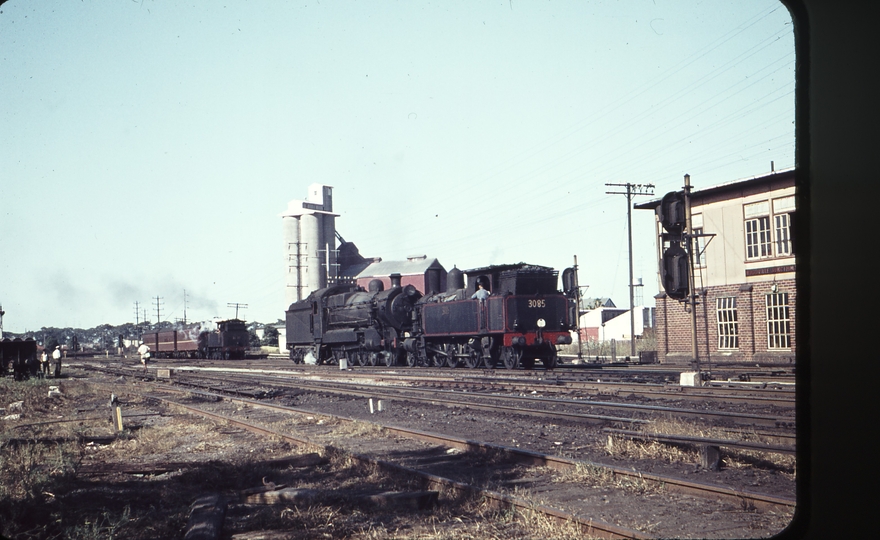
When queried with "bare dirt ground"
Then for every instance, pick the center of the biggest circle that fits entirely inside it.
(72, 478)
(67, 474)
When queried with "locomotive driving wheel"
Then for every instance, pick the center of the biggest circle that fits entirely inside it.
(411, 359)
(437, 356)
(474, 357)
(451, 358)
(511, 357)
(388, 358)
(493, 354)
(550, 359)
(373, 359)
(361, 358)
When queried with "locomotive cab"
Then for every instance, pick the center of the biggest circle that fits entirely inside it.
(522, 320)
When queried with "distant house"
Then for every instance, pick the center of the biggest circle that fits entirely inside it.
(425, 274)
(745, 276)
(593, 303)
(604, 323)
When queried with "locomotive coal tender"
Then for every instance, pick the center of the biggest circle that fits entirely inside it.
(522, 321)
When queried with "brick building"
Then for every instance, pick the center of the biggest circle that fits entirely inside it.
(744, 275)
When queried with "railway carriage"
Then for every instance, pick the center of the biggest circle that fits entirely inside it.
(229, 340)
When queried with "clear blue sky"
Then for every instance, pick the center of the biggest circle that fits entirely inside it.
(147, 148)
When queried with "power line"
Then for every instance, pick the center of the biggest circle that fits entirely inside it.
(236, 305)
(631, 191)
(158, 309)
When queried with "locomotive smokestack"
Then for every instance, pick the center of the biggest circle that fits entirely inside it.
(454, 280)
(433, 281)
(395, 280)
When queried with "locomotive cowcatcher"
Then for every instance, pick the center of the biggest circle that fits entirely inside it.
(522, 320)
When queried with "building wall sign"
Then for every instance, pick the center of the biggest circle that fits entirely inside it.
(770, 270)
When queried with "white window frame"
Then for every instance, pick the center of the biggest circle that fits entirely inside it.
(778, 321)
(767, 228)
(727, 321)
(782, 209)
(759, 244)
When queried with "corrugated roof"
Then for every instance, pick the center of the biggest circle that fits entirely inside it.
(654, 203)
(409, 267)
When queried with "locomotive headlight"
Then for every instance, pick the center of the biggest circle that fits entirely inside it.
(542, 323)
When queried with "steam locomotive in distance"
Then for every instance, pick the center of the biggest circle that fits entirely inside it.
(520, 322)
(228, 341)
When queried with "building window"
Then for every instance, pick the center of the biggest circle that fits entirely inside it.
(782, 226)
(728, 328)
(768, 234)
(758, 238)
(782, 209)
(778, 323)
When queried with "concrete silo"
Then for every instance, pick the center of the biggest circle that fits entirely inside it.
(309, 230)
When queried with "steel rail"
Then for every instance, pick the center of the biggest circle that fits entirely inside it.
(587, 525)
(739, 418)
(347, 388)
(592, 418)
(732, 392)
(686, 439)
(706, 491)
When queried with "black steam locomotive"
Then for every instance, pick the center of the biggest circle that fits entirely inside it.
(521, 321)
(347, 322)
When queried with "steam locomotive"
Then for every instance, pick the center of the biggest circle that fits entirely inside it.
(228, 341)
(522, 321)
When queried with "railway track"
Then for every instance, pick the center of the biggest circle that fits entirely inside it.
(265, 387)
(478, 396)
(776, 394)
(501, 493)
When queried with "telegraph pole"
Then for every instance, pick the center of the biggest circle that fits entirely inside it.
(577, 298)
(137, 319)
(158, 310)
(631, 191)
(688, 232)
(236, 305)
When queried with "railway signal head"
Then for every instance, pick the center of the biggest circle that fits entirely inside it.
(674, 272)
(569, 282)
(671, 212)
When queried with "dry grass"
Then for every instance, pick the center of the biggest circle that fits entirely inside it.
(601, 477)
(624, 447)
(42, 497)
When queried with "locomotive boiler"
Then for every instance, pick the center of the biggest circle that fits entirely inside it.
(364, 327)
(522, 320)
